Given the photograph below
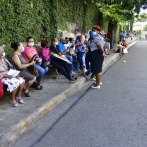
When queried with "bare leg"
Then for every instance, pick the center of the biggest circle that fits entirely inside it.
(13, 97)
(98, 79)
(28, 84)
(83, 69)
(13, 93)
(20, 89)
(120, 51)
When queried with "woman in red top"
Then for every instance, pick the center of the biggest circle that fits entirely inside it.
(1, 86)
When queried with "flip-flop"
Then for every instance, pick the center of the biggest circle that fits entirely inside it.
(1, 136)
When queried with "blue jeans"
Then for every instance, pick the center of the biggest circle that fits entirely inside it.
(88, 72)
(76, 65)
(41, 71)
(70, 59)
(104, 47)
(81, 58)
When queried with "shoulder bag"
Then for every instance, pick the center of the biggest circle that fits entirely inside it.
(32, 68)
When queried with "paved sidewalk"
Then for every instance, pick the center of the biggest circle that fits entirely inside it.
(16, 121)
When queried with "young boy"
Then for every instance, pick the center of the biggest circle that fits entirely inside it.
(86, 67)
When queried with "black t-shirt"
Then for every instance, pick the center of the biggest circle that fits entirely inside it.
(54, 49)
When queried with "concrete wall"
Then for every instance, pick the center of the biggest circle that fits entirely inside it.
(70, 31)
(143, 33)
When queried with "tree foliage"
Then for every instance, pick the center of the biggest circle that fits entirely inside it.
(114, 13)
(142, 17)
(145, 28)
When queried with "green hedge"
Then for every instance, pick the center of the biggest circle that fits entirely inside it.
(42, 18)
(18, 19)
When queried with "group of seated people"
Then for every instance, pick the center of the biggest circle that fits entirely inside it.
(23, 59)
(121, 45)
(124, 34)
(65, 56)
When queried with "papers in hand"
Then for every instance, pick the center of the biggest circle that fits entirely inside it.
(62, 58)
(14, 73)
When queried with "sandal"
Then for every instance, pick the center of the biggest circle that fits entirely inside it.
(26, 94)
(39, 88)
(74, 77)
(20, 100)
(72, 80)
(16, 105)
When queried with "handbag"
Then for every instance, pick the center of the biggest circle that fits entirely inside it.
(74, 58)
(45, 63)
(32, 68)
(71, 51)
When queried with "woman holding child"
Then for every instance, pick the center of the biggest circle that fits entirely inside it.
(97, 55)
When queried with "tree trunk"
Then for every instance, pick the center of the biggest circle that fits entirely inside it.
(100, 19)
(112, 29)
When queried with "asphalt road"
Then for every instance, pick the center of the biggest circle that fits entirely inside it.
(114, 116)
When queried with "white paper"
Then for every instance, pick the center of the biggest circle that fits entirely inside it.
(125, 50)
(14, 73)
(63, 58)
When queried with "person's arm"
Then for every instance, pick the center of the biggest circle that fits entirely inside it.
(100, 46)
(1, 76)
(61, 50)
(30, 56)
(63, 53)
(16, 60)
(82, 41)
(7, 76)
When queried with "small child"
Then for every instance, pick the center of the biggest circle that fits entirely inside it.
(86, 66)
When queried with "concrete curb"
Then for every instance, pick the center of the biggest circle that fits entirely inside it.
(15, 132)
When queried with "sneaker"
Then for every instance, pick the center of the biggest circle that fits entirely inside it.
(97, 87)
(99, 83)
(93, 79)
(72, 73)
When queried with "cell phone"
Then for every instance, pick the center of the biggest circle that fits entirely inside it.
(40, 60)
